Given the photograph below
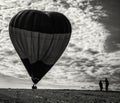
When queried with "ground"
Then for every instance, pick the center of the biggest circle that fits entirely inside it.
(57, 96)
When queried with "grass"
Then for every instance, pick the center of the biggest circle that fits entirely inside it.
(57, 96)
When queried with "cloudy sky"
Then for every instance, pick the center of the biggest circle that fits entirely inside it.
(93, 52)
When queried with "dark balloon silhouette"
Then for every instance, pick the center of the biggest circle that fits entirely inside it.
(39, 37)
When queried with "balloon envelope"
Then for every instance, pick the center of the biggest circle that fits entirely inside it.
(39, 39)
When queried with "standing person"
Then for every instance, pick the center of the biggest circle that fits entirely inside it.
(106, 84)
(101, 85)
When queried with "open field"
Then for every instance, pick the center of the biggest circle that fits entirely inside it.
(57, 96)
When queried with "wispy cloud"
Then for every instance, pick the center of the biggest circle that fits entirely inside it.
(84, 62)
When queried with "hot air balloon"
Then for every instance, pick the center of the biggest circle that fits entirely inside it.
(39, 37)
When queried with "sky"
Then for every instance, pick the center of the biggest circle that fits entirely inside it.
(93, 52)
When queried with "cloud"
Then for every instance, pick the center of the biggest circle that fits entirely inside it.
(84, 61)
(112, 41)
(10, 53)
(93, 52)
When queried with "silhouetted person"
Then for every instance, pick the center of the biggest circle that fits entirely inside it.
(34, 86)
(101, 85)
(106, 84)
